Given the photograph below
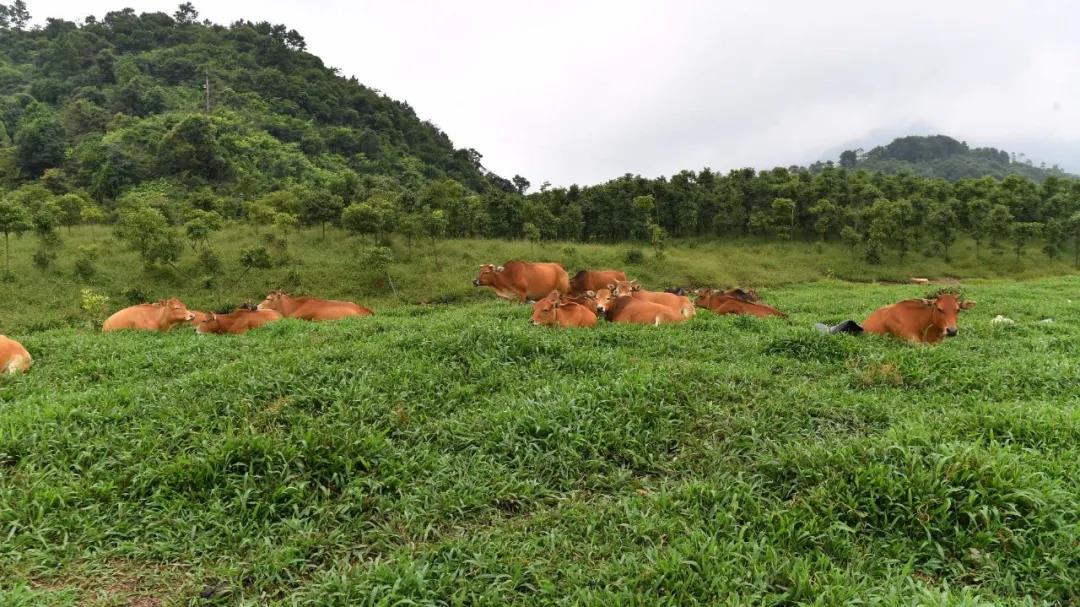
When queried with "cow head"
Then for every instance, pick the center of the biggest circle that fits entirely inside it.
(623, 287)
(703, 296)
(175, 311)
(488, 273)
(272, 301)
(208, 324)
(545, 311)
(602, 299)
(197, 317)
(943, 311)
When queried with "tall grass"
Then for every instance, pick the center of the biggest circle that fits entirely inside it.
(454, 454)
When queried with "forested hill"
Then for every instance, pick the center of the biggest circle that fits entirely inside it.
(939, 156)
(119, 102)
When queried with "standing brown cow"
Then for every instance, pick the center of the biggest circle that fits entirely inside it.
(555, 311)
(236, 323)
(160, 316)
(594, 280)
(522, 280)
(13, 356)
(311, 308)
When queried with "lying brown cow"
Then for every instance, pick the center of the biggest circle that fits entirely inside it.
(236, 323)
(522, 280)
(13, 356)
(628, 309)
(594, 280)
(734, 301)
(554, 311)
(916, 320)
(310, 308)
(679, 303)
(923, 320)
(160, 316)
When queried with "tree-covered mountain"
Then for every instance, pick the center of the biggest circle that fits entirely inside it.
(939, 156)
(188, 108)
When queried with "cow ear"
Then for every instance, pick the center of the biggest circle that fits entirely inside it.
(927, 302)
(610, 286)
(967, 305)
(590, 293)
(499, 269)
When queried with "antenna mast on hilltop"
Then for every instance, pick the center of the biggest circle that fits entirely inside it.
(207, 86)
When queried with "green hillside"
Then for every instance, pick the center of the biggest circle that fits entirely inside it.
(112, 103)
(939, 156)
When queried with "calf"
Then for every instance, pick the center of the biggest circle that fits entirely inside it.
(734, 301)
(311, 308)
(679, 303)
(552, 311)
(628, 309)
(160, 316)
(236, 323)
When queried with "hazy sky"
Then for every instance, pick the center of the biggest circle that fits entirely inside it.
(583, 91)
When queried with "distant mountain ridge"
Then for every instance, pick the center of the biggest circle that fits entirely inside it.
(941, 156)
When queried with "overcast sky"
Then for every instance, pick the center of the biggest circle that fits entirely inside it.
(580, 91)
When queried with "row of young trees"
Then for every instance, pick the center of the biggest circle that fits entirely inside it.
(873, 214)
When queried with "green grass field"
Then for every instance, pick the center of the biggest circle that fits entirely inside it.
(454, 454)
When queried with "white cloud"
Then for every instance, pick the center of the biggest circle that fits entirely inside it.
(582, 91)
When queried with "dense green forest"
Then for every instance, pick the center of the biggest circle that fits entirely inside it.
(167, 127)
(939, 156)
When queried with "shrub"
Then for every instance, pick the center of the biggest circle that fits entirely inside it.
(209, 261)
(43, 258)
(634, 256)
(134, 295)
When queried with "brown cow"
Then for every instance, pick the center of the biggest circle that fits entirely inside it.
(594, 280)
(160, 316)
(628, 309)
(919, 320)
(679, 303)
(237, 323)
(522, 280)
(310, 308)
(734, 301)
(553, 311)
(13, 356)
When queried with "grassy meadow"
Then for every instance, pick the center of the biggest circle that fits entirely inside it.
(338, 267)
(453, 454)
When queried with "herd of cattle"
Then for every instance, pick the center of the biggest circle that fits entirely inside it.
(560, 301)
